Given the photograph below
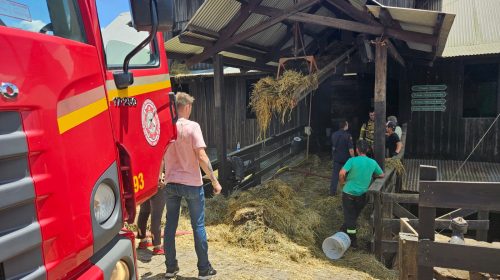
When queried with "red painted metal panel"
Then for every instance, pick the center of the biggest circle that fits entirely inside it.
(64, 166)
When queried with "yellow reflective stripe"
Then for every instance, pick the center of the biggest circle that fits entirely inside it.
(138, 89)
(81, 115)
(351, 231)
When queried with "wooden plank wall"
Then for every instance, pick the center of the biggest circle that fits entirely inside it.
(447, 135)
(239, 127)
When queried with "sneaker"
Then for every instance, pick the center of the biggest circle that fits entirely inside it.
(172, 272)
(207, 274)
(158, 251)
(144, 244)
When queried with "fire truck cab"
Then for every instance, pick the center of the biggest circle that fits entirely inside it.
(85, 119)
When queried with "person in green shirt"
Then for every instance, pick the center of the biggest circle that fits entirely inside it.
(357, 173)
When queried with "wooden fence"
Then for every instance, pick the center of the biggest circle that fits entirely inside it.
(463, 195)
(262, 157)
(389, 206)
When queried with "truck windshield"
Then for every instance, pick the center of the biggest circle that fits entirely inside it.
(52, 17)
(119, 37)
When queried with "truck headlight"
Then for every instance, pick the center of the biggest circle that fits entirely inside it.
(121, 271)
(104, 203)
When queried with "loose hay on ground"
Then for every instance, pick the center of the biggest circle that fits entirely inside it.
(290, 216)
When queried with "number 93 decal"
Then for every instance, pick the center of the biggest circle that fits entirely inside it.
(138, 182)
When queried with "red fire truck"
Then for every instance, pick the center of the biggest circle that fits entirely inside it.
(85, 118)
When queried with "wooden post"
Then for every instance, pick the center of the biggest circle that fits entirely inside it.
(378, 226)
(427, 216)
(407, 254)
(380, 100)
(220, 117)
(482, 235)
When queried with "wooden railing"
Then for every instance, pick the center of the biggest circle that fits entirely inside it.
(383, 208)
(467, 195)
(419, 253)
(262, 160)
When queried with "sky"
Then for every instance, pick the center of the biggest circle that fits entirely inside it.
(38, 11)
(110, 9)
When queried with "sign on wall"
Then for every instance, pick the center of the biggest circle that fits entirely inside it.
(428, 98)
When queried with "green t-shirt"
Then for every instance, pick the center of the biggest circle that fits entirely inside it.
(361, 170)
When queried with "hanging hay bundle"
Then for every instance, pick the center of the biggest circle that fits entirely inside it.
(264, 91)
(278, 96)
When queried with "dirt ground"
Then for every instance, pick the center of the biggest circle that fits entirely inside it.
(230, 264)
(234, 261)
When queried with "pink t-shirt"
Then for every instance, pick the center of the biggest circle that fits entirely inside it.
(181, 163)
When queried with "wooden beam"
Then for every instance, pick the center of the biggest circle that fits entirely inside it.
(220, 117)
(401, 212)
(229, 61)
(404, 35)
(475, 195)
(354, 13)
(235, 23)
(215, 36)
(387, 20)
(482, 235)
(458, 213)
(380, 100)
(374, 29)
(464, 257)
(249, 65)
(393, 51)
(437, 32)
(177, 56)
(222, 45)
(186, 39)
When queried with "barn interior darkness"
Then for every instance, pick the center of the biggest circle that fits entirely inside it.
(348, 95)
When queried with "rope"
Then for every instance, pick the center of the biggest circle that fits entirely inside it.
(473, 150)
(309, 123)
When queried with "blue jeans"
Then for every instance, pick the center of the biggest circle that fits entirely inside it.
(195, 197)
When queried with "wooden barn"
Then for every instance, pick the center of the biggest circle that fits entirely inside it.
(433, 64)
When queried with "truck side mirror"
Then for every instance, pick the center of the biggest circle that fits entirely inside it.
(141, 15)
(147, 15)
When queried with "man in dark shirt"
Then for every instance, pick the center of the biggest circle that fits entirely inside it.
(392, 141)
(342, 150)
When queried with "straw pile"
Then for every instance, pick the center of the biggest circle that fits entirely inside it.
(396, 164)
(278, 96)
(291, 215)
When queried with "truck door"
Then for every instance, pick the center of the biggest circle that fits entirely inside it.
(56, 138)
(142, 113)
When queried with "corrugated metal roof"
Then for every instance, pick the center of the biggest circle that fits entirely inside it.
(421, 21)
(175, 45)
(270, 36)
(472, 171)
(222, 10)
(476, 30)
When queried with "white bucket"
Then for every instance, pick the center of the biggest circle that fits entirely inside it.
(335, 246)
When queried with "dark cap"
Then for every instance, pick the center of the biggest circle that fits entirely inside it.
(391, 125)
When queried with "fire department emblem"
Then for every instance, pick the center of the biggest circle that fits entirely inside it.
(150, 122)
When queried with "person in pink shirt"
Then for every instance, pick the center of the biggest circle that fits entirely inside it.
(183, 160)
